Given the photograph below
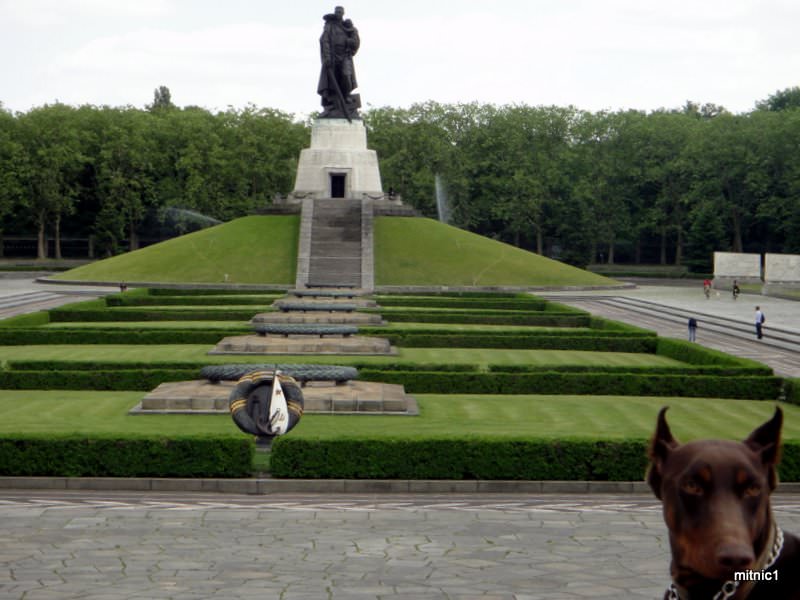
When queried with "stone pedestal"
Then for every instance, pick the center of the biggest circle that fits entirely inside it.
(338, 163)
(302, 344)
(354, 397)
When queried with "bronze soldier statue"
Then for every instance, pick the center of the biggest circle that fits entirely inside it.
(337, 80)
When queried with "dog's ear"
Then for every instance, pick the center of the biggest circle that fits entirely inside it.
(661, 445)
(766, 442)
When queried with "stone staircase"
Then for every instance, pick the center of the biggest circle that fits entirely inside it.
(335, 253)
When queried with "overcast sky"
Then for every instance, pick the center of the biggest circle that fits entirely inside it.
(593, 54)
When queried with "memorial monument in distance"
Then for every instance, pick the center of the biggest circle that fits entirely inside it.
(338, 164)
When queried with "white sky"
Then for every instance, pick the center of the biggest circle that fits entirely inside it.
(594, 54)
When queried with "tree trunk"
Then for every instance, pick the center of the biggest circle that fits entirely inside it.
(41, 242)
(539, 242)
(737, 232)
(679, 247)
(2, 245)
(663, 257)
(638, 251)
(58, 237)
(133, 237)
(611, 252)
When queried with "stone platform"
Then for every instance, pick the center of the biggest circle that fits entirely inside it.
(352, 318)
(302, 344)
(312, 301)
(320, 397)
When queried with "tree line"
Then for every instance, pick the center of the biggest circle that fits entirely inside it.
(667, 186)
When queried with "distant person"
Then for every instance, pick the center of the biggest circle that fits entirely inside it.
(707, 288)
(736, 289)
(692, 329)
(760, 319)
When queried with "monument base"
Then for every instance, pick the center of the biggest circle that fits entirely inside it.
(302, 344)
(354, 397)
(335, 318)
(338, 164)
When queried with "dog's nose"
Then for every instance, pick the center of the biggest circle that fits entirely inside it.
(735, 557)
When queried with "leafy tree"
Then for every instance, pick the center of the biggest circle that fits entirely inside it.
(786, 99)
(53, 160)
(162, 99)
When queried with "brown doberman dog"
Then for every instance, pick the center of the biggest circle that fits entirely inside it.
(715, 494)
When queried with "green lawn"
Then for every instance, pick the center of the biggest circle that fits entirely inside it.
(425, 252)
(258, 249)
(441, 416)
(198, 354)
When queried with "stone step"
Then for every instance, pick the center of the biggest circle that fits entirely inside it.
(334, 279)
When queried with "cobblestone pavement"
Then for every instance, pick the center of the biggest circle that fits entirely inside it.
(113, 546)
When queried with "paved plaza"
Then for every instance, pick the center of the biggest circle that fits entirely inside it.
(104, 546)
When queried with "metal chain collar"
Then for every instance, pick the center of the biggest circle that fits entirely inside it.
(729, 588)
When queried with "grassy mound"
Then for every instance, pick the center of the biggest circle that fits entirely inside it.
(425, 252)
(258, 250)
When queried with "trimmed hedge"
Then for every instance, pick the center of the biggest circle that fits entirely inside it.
(695, 354)
(527, 304)
(552, 382)
(459, 459)
(530, 332)
(791, 389)
(23, 337)
(121, 300)
(523, 341)
(536, 459)
(212, 292)
(489, 318)
(67, 365)
(58, 315)
(716, 370)
(73, 365)
(115, 380)
(76, 456)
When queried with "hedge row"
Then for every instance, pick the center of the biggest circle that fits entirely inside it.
(113, 380)
(58, 315)
(76, 456)
(696, 354)
(122, 300)
(559, 383)
(442, 294)
(67, 365)
(22, 337)
(575, 460)
(791, 388)
(211, 292)
(529, 304)
(524, 341)
(531, 332)
(717, 370)
(489, 318)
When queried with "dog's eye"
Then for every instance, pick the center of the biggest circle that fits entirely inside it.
(692, 487)
(752, 490)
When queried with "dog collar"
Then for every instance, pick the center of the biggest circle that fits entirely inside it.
(730, 588)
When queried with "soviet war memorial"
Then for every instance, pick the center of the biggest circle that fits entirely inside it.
(425, 330)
